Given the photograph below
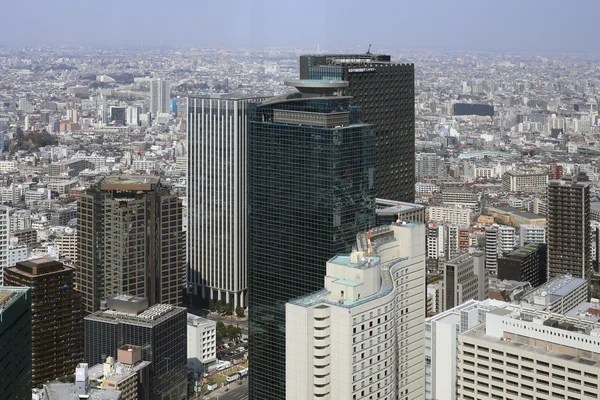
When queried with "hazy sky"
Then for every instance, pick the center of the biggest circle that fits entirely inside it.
(506, 25)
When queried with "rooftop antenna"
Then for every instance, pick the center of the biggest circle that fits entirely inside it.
(369, 50)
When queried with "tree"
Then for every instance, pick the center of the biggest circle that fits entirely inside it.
(239, 311)
(220, 306)
(221, 331)
(228, 309)
(211, 305)
(233, 331)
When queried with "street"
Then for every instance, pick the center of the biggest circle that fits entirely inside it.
(236, 392)
(227, 320)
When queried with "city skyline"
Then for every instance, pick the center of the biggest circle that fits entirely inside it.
(468, 25)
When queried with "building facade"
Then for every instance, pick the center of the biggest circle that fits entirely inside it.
(526, 264)
(385, 93)
(452, 215)
(130, 241)
(160, 97)
(527, 354)
(361, 336)
(524, 181)
(160, 330)
(15, 336)
(218, 198)
(311, 188)
(201, 343)
(56, 317)
(4, 240)
(465, 278)
(530, 234)
(569, 231)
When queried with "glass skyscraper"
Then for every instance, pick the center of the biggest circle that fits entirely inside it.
(385, 92)
(311, 188)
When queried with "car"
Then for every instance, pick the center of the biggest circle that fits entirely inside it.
(240, 349)
(225, 345)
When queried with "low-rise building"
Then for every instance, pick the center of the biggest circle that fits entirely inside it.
(201, 343)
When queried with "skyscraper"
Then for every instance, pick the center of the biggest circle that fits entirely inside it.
(385, 93)
(130, 241)
(218, 198)
(15, 336)
(311, 188)
(56, 317)
(569, 231)
(363, 334)
(160, 331)
(160, 96)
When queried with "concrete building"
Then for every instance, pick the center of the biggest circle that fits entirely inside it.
(160, 330)
(524, 181)
(15, 336)
(561, 294)
(528, 354)
(441, 344)
(361, 336)
(434, 299)
(4, 240)
(160, 97)
(451, 215)
(390, 211)
(569, 231)
(514, 217)
(491, 249)
(435, 245)
(526, 264)
(508, 291)
(218, 198)
(428, 165)
(130, 241)
(529, 234)
(506, 239)
(56, 345)
(129, 374)
(201, 343)
(465, 278)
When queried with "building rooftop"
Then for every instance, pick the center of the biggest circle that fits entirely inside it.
(194, 320)
(38, 267)
(66, 391)
(129, 182)
(391, 206)
(10, 294)
(525, 250)
(131, 309)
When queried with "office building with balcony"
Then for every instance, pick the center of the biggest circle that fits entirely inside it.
(56, 317)
(311, 188)
(15, 336)
(522, 353)
(130, 241)
(159, 330)
(441, 343)
(362, 335)
(385, 93)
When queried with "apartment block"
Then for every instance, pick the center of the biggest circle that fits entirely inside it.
(451, 215)
(465, 278)
(524, 181)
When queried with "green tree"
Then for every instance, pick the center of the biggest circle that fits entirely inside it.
(221, 332)
(228, 309)
(239, 311)
(220, 306)
(211, 305)
(233, 331)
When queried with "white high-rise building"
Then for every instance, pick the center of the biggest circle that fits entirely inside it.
(160, 96)
(217, 198)
(441, 343)
(4, 242)
(362, 336)
(506, 239)
(132, 116)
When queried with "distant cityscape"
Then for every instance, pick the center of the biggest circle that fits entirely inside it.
(361, 224)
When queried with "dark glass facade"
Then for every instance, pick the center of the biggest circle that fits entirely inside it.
(311, 189)
(385, 93)
(15, 343)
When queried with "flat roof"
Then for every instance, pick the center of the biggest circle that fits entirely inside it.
(344, 259)
(129, 182)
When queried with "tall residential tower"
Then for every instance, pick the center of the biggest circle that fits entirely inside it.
(385, 92)
(311, 188)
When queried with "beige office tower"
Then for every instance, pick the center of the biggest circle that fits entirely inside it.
(130, 241)
(362, 336)
(522, 353)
